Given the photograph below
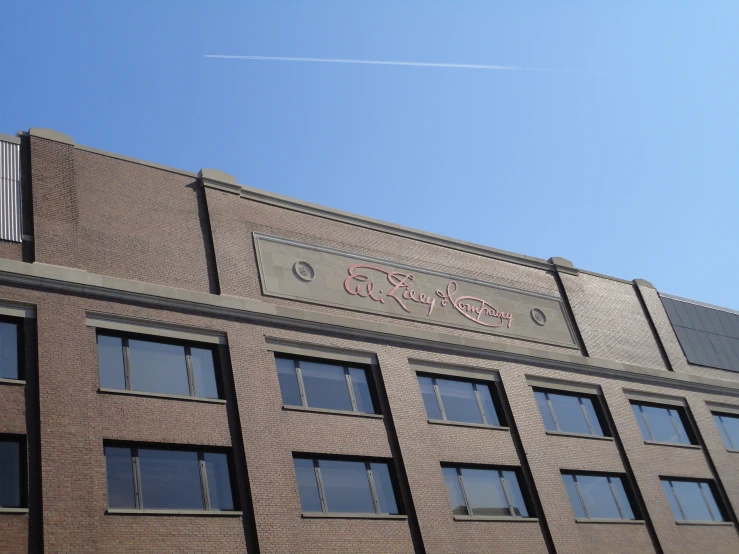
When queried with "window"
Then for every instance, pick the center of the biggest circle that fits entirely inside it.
(346, 486)
(11, 349)
(152, 479)
(692, 500)
(129, 363)
(571, 413)
(485, 492)
(461, 401)
(598, 496)
(663, 423)
(12, 472)
(325, 385)
(728, 426)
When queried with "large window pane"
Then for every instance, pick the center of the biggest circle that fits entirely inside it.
(622, 497)
(453, 487)
(384, 488)
(429, 398)
(485, 492)
(170, 479)
(599, 500)
(636, 408)
(157, 367)
(361, 390)
(325, 386)
(660, 424)
(569, 413)
(10, 474)
(8, 350)
(574, 496)
(110, 361)
(711, 501)
(219, 481)
(592, 416)
(119, 472)
(546, 414)
(729, 428)
(203, 373)
(491, 414)
(305, 473)
(672, 501)
(514, 491)
(458, 399)
(346, 486)
(288, 382)
(691, 501)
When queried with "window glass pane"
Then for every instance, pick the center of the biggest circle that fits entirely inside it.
(487, 404)
(458, 399)
(8, 350)
(361, 390)
(346, 486)
(711, 500)
(170, 479)
(325, 386)
(691, 500)
(110, 362)
(514, 491)
(546, 414)
(671, 499)
(203, 373)
(661, 424)
(623, 499)
(305, 474)
(485, 492)
(10, 474)
(456, 498)
(640, 420)
(119, 472)
(596, 493)
(288, 382)
(731, 430)
(724, 435)
(429, 398)
(592, 416)
(569, 413)
(157, 367)
(219, 481)
(384, 488)
(574, 496)
(679, 422)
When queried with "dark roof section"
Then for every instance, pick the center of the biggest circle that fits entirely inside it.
(708, 336)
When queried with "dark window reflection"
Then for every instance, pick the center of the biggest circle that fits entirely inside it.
(170, 479)
(288, 379)
(485, 492)
(305, 473)
(454, 488)
(8, 350)
(384, 488)
(458, 399)
(158, 367)
(429, 398)
(10, 474)
(325, 386)
(729, 428)
(568, 413)
(361, 387)
(203, 372)
(119, 473)
(661, 423)
(110, 361)
(346, 486)
(219, 482)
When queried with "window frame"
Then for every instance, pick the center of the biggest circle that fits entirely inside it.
(522, 485)
(722, 430)
(597, 407)
(22, 441)
(625, 482)
(19, 323)
(682, 417)
(346, 366)
(138, 493)
(711, 484)
(186, 344)
(370, 478)
(494, 394)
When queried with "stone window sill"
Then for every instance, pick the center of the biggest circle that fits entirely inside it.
(715, 523)
(126, 392)
(605, 520)
(496, 518)
(579, 435)
(13, 510)
(675, 444)
(19, 382)
(465, 424)
(733, 451)
(334, 412)
(132, 512)
(338, 515)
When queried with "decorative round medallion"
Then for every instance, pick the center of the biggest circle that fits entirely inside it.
(304, 271)
(538, 316)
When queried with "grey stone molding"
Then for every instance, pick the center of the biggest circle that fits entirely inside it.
(644, 283)
(150, 327)
(331, 412)
(465, 424)
(9, 138)
(133, 512)
(162, 395)
(579, 435)
(563, 265)
(50, 134)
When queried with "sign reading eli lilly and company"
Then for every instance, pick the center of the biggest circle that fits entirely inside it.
(329, 277)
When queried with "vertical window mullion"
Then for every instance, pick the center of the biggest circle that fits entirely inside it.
(190, 377)
(479, 404)
(551, 411)
(203, 481)
(438, 398)
(126, 363)
(615, 498)
(726, 432)
(464, 492)
(348, 378)
(137, 492)
(321, 492)
(673, 414)
(646, 421)
(705, 500)
(585, 414)
(579, 494)
(373, 491)
(301, 386)
(677, 500)
(506, 493)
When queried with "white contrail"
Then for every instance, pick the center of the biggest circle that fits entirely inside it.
(381, 62)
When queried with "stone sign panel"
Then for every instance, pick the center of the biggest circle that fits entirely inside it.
(319, 275)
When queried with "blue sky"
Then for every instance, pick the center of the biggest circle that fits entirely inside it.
(627, 165)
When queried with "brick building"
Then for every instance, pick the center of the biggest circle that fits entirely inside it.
(191, 365)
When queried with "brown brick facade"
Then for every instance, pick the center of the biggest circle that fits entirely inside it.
(120, 219)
